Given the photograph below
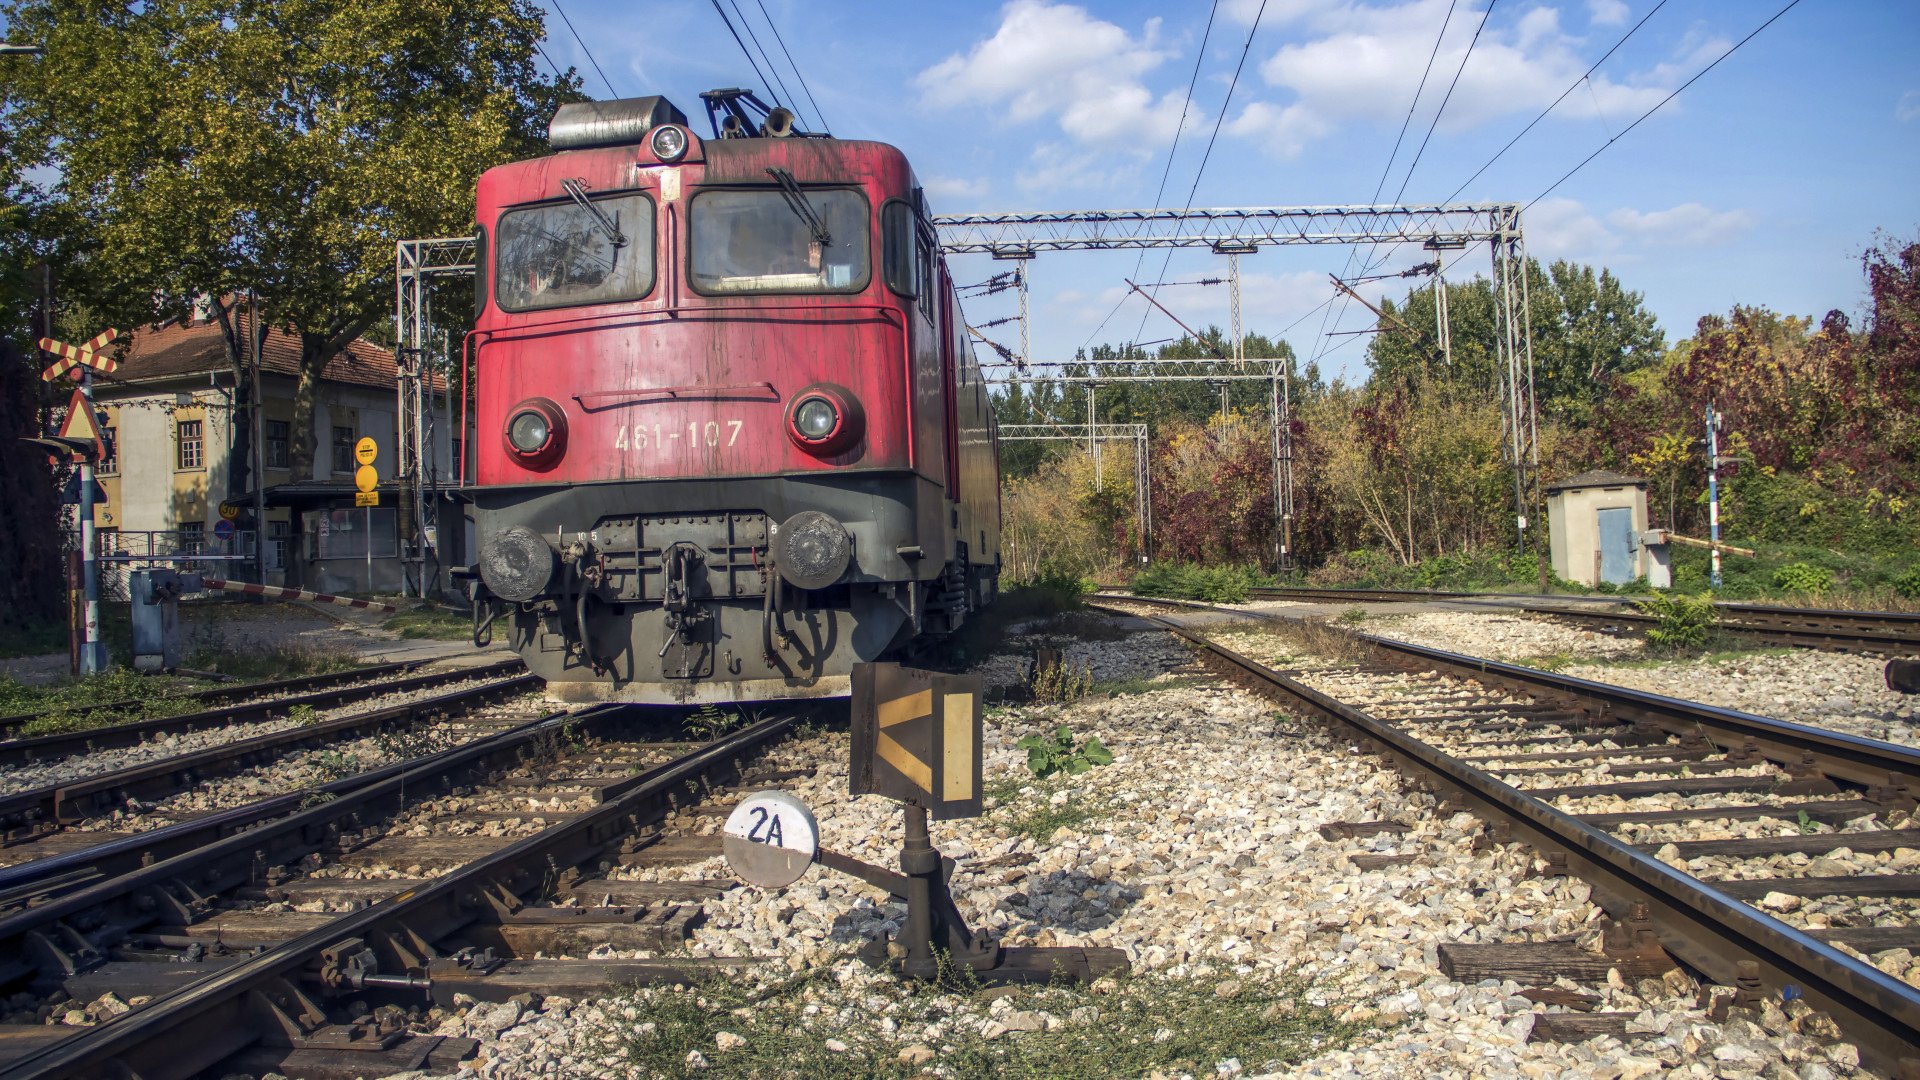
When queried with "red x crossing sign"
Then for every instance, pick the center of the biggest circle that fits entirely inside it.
(72, 356)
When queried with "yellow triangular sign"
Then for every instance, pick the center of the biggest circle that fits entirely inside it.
(80, 424)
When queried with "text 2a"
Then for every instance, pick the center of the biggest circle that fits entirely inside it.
(668, 436)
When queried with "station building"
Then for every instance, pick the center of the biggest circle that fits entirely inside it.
(181, 450)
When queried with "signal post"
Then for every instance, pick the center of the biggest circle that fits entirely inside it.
(917, 741)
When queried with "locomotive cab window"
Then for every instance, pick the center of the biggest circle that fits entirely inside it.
(563, 254)
(764, 241)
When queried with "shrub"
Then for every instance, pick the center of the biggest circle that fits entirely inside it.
(1208, 584)
(1908, 584)
(1803, 577)
(1683, 621)
(1059, 682)
(1056, 753)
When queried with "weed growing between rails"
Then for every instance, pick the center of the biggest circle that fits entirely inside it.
(844, 1021)
(1685, 622)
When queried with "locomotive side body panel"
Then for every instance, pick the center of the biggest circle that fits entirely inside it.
(730, 436)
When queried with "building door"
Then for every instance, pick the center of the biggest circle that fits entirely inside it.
(1616, 545)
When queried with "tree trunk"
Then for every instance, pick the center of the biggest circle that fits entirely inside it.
(302, 441)
(240, 452)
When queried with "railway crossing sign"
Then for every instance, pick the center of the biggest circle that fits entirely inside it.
(72, 356)
(916, 738)
(770, 839)
(80, 430)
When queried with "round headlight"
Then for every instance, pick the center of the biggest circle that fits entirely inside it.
(816, 418)
(528, 431)
(668, 142)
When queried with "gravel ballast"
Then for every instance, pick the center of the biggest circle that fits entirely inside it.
(1197, 853)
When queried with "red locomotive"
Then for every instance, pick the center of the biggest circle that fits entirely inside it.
(731, 434)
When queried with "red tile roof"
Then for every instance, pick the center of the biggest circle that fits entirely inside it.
(198, 348)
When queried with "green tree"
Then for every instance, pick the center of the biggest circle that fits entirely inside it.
(207, 146)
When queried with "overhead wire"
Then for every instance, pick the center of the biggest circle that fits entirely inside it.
(560, 11)
(1193, 81)
(1207, 155)
(1571, 87)
(1791, 4)
(748, 53)
(797, 73)
(784, 95)
(1387, 169)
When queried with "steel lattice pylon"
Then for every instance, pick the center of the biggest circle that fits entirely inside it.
(416, 263)
(1126, 230)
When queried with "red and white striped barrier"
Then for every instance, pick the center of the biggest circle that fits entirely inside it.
(277, 593)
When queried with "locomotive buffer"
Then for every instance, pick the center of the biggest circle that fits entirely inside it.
(916, 740)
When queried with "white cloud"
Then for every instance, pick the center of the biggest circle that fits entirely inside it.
(957, 188)
(1909, 107)
(1362, 63)
(1607, 12)
(1560, 228)
(1689, 224)
(1054, 166)
(1048, 60)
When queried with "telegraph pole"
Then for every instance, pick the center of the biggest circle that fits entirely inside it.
(1713, 488)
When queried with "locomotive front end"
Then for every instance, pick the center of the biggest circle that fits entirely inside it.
(714, 392)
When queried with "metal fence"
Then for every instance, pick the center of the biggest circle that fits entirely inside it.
(120, 552)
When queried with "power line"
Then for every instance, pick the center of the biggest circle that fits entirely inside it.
(1437, 113)
(797, 73)
(1676, 93)
(751, 62)
(558, 10)
(755, 38)
(543, 55)
(1571, 87)
(1207, 155)
(1193, 80)
(1387, 170)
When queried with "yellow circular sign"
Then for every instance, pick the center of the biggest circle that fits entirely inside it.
(366, 450)
(365, 478)
(229, 511)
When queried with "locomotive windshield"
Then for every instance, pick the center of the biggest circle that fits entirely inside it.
(564, 253)
(756, 241)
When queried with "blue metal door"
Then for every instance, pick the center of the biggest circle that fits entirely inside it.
(1616, 545)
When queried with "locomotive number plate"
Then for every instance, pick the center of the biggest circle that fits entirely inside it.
(669, 437)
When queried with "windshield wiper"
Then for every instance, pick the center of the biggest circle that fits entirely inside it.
(577, 191)
(802, 209)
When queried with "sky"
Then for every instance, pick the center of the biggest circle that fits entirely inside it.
(1759, 184)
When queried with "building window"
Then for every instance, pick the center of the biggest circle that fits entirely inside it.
(110, 463)
(343, 449)
(189, 444)
(278, 432)
(459, 467)
(279, 540)
(193, 538)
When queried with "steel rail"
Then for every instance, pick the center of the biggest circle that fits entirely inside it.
(67, 743)
(1708, 929)
(39, 880)
(70, 800)
(1871, 763)
(10, 725)
(191, 1029)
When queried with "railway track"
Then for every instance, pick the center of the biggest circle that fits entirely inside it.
(43, 803)
(10, 725)
(309, 943)
(1895, 632)
(1613, 785)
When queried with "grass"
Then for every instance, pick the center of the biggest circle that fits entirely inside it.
(1190, 581)
(37, 640)
(1036, 816)
(1712, 653)
(69, 705)
(1133, 1025)
(1113, 688)
(430, 622)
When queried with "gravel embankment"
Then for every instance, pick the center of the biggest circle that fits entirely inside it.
(1197, 852)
